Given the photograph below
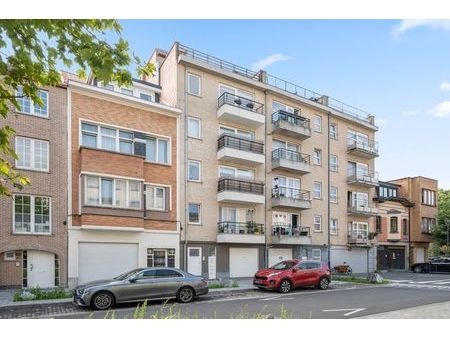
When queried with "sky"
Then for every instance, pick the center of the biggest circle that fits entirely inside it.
(397, 70)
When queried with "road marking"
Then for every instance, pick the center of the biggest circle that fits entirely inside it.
(432, 281)
(275, 298)
(400, 281)
(443, 283)
(352, 311)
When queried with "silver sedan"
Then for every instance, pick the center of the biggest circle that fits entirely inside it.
(139, 285)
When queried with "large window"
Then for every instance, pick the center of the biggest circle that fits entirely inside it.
(27, 106)
(386, 192)
(394, 225)
(194, 127)
(164, 258)
(245, 96)
(428, 225)
(236, 132)
(32, 154)
(286, 186)
(231, 172)
(112, 192)
(107, 138)
(32, 214)
(359, 230)
(156, 197)
(276, 106)
(194, 171)
(194, 213)
(357, 138)
(194, 84)
(428, 197)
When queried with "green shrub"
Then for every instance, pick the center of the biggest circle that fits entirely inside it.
(40, 294)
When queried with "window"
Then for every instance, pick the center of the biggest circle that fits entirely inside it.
(166, 273)
(428, 197)
(358, 199)
(359, 230)
(108, 86)
(246, 174)
(112, 192)
(386, 192)
(316, 254)
(27, 106)
(156, 197)
(333, 131)
(107, 138)
(9, 256)
(317, 157)
(146, 97)
(405, 226)
(157, 150)
(333, 163)
(245, 98)
(194, 85)
(428, 225)
(286, 187)
(333, 194)
(318, 190)
(126, 91)
(394, 225)
(249, 135)
(126, 142)
(378, 224)
(276, 106)
(194, 171)
(32, 214)
(32, 154)
(317, 123)
(317, 223)
(194, 213)
(333, 226)
(194, 127)
(161, 258)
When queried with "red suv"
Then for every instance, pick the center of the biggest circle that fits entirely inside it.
(291, 274)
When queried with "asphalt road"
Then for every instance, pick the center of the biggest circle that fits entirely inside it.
(341, 303)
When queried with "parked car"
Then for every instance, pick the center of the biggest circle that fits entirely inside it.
(437, 264)
(290, 274)
(141, 284)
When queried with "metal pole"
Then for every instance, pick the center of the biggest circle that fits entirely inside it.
(447, 223)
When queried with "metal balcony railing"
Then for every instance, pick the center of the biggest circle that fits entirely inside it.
(291, 118)
(295, 194)
(366, 146)
(240, 228)
(232, 184)
(241, 102)
(291, 155)
(357, 236)
(239, 143)
(366, 176)
(288, 230)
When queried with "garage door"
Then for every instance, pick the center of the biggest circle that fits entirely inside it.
(420, 255)
(105, 260)
(278, 255)
(356, 258)
(243, 262)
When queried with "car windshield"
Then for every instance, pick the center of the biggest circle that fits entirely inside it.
(127, 274)
(283, 266)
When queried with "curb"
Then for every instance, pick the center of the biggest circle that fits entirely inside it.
(31, 303)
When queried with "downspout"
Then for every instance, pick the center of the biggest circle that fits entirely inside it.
(409, 237)
(266, 245)
(328, 197)
(186, 212)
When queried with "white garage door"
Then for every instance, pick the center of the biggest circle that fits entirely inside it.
(278, 255)
(420, 255)
(243, 262)
(356, 258)
(105, 260)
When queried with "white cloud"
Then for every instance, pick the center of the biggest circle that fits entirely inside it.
(381, 122)
(406, 25)
(269, 60)
(408, 113)
(441, 110)
(445, 86)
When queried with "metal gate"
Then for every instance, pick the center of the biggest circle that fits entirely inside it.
(389, 258)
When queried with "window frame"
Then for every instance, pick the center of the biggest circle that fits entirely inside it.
(167, 254)
(199, 163)
(33, 216)
(336, 221)
(428, 197)
(319, 157)
(199, 84)
(334, 200)
(336, 166)
(320, 190)
(32, 104)
(155, 188)
(9, 259)
(317, 217)
(315, 119)
(32, 154)
(393, 225)
(191, 118)
(334, 131)
(169, 150)
(199, 213)
(314, 257)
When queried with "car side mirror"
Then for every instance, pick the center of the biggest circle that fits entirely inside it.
(132, 280)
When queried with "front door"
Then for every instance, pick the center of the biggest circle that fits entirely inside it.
(195, 261)
(41, 269)
(396, 259)
(212, 263)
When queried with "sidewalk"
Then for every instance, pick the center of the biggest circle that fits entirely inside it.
(431, 311)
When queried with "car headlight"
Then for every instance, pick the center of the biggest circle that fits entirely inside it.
(273, 274)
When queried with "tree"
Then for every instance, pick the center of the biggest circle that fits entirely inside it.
(440, 231)
(30, 51)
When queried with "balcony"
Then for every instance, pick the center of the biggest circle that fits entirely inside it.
(357, 234)
(291, 124)
(292, 198)
(240, 150)
(240, 232)
(361, 207)
(240, 110)
(365, 179)
(357, 239)
(366, 149)
(240, 191)
(291, 161)
(286, 234)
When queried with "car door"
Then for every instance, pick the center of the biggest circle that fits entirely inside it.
(142, 286)
(300, 276)
(314, 272)
(168, 282)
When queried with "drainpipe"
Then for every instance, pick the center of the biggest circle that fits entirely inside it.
(328, 197)
(266, 233)
(409, 238)
(185, 159)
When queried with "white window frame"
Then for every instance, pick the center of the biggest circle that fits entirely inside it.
(333, 197)
(287, 108)
(316, 257)
(98, 134)
(236, 132)
(333, 163)
(199, 213)
(319, 157)
(199, 84)
(32, 111)
(317, 123)
(319, 191)
(333, 131)
(126, 91)
(10, 259)
(32, 154)
(155, 188)
(169, 150)
(32, 215)
(236, 171)
(167, 254)
(319, 218)
(335, 222)
(113, 205)
(199, 163)
(199, 136)
(237, 92)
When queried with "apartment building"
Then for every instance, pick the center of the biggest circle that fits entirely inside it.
(421, 191)
(123, 180)
(271, 170)
(33, 222)
(392, 227)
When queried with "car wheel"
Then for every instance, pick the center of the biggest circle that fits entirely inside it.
(323, 283)
(185, 294)
(417, 269)
(285, 286)
(102, 301)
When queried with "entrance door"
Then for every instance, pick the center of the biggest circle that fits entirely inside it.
(396, 259)
(41, 269)
(382, 258)
(420, 255)
(195, 261)
(212, 263)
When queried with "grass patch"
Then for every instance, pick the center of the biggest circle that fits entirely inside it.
(355, 279)
(221, 285)
(40, 294)
(216, 286)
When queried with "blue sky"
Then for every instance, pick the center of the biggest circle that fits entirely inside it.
(397, 70)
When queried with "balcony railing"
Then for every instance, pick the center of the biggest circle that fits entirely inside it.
(288, 230)
(240, 228)
(293, 193)
(357, 236)
(361, 206)
(232, 184)
(239, 143)
(291, 155)
(368, 146)
(291, 118)
(240, 102)
(369, 177)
